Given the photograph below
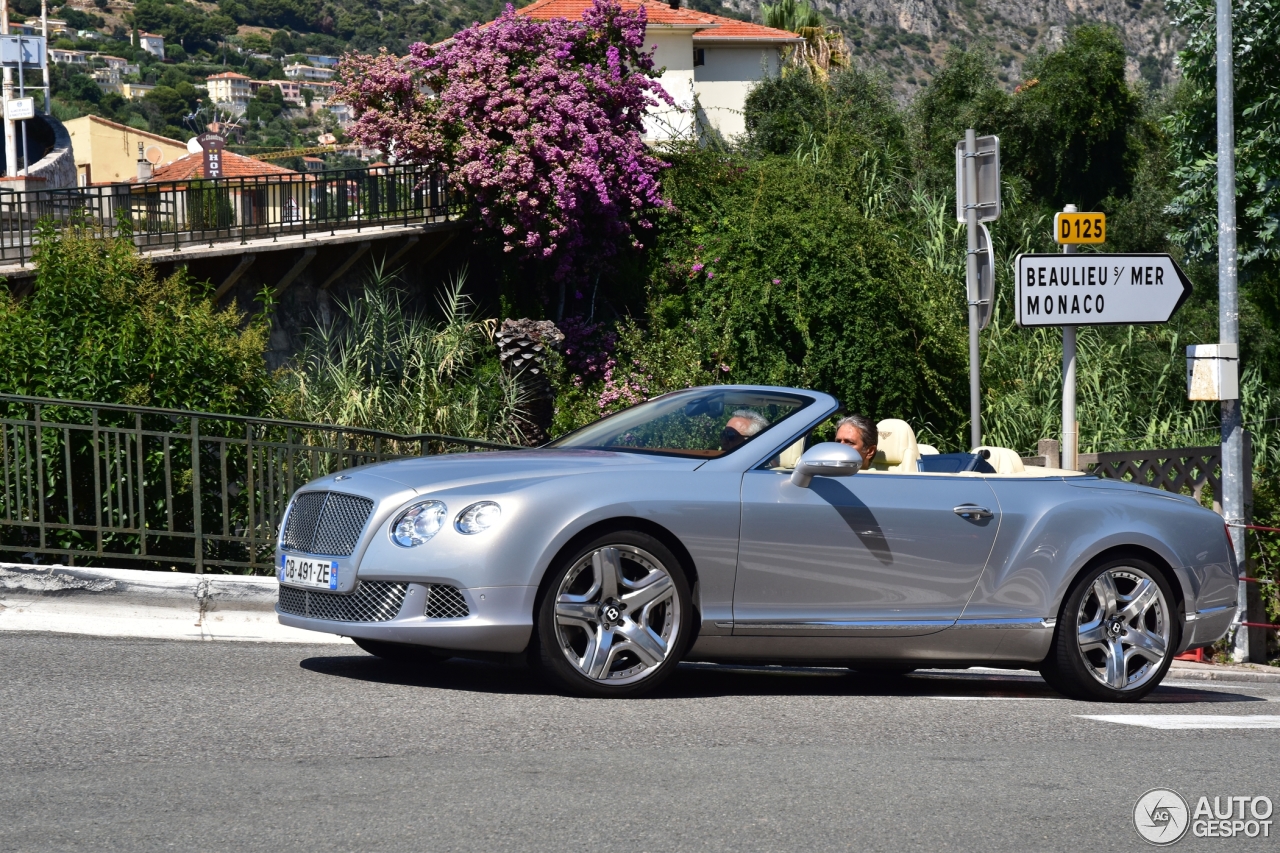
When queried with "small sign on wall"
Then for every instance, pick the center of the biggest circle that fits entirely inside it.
(20, 109)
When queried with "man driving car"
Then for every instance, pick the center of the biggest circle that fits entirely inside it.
(860, 433)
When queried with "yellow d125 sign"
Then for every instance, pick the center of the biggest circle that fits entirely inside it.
(1080, 227)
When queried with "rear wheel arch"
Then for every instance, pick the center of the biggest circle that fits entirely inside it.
(1142, 553)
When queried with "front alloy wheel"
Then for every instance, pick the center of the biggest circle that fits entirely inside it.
(614, 618)
(1120, 637)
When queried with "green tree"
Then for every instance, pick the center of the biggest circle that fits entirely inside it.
(101, 326)
(964, 93)
(1192, 128)
(1072, 124)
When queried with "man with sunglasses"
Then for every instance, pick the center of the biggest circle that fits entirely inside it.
(743, 425)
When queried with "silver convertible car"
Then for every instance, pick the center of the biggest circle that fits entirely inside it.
(668, 532)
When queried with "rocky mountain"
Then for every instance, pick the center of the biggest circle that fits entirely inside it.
(908, 38)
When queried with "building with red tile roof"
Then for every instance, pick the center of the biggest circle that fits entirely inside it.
(709, 62)
(234, 165)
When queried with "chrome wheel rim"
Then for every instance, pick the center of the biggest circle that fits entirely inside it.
(617, 615)
(1122, 629)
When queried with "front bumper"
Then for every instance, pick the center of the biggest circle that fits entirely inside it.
(500, 620)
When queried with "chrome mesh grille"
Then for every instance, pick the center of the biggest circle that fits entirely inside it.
(445, 602)
(372, 601)
(325, 523)
(300, 521)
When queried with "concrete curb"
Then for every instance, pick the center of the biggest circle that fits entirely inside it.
(135, 603)
(1257, 673)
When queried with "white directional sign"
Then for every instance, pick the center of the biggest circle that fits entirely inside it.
(1098, 290)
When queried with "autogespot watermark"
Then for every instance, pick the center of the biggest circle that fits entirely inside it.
(1163, 817)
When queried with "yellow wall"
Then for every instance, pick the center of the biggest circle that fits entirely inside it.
(107, 152)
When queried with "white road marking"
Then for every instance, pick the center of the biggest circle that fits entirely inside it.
(1189, 721)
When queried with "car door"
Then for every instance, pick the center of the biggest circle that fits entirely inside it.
(876, 554)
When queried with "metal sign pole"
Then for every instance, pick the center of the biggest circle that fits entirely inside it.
(1233, 473)
(6, 90)
(971, 276)
(1070, 438)
(22, 93)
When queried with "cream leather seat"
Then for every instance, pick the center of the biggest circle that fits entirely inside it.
(1004, 460)
(897, 451)
(788, 458)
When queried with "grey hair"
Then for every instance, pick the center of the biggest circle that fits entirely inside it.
(863, 424)
(758, 421)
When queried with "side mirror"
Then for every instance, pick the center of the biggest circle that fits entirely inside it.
(829, 459)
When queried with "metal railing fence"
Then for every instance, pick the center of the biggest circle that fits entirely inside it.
(142, 486)
(173, 214)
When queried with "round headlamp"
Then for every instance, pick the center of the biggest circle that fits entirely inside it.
(418, 523)
(478, 517)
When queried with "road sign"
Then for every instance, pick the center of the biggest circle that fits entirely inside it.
(988, 159)
(1098, 290)
(1080, 228)
(27, 51)
(985, 297)
(20, 109)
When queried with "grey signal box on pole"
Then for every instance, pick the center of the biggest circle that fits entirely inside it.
(988, 161)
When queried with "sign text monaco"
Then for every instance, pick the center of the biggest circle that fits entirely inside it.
(1098, 290)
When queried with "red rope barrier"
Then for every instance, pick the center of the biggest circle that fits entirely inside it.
(1260, 625)
(1257, 527)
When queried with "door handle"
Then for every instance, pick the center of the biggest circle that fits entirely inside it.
(972, 511)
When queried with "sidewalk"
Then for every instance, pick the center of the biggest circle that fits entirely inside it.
(1190, 670)
(134, 603)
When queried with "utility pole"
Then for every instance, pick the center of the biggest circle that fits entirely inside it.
(971, 276)
(1233, 473)
(6, 89)
(1070, 429)
(44, 32)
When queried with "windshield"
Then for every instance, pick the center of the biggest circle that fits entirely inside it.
(699, 423)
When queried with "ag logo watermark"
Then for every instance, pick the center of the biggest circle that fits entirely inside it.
(1163, 817)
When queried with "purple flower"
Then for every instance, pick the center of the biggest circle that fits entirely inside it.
(697, 267)
(710, 276)
(539, 122)
(777, 281)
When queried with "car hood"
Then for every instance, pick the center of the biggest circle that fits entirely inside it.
(512, 468)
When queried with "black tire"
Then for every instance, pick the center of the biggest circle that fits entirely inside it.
(1078, 662)
(566, 646)
(403, 653)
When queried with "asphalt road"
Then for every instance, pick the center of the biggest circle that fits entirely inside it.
(110, 744)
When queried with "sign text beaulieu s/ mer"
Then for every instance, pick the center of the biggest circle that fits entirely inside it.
(1098, 290)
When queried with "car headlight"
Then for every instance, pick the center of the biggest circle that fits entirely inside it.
(478, 517)
(418, 523)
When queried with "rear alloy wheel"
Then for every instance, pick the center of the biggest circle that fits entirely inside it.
(615, 616)
(1117, 635)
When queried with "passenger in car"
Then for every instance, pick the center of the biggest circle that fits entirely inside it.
(744, 424)
(861, 434)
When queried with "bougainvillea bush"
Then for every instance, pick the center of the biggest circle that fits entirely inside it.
(539, 122)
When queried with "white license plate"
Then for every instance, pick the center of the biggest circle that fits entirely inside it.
(318, 574)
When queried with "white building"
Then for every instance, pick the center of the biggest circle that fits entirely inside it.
(152, 44)
(706, 59)
(298, 71)
(230, 89)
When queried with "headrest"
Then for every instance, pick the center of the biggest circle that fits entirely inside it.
(927, 450)
(789, 457)
(1004, 460)
(897, 450)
